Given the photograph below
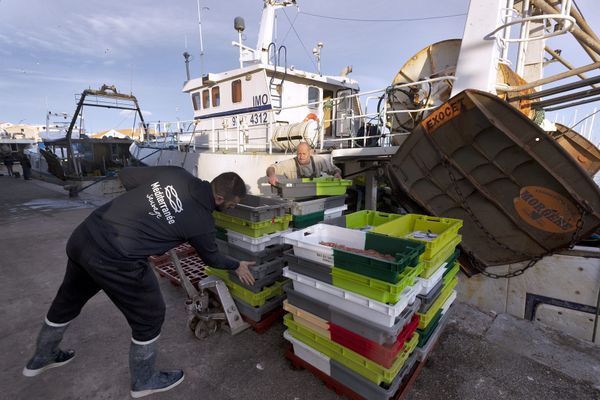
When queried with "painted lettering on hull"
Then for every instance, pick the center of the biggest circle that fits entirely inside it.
(259, 100)
(546, 210)
(446, 112)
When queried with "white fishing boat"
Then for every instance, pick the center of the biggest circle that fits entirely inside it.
(485, 96)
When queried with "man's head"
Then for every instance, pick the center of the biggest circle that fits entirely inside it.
(228, 189)
(303, 152)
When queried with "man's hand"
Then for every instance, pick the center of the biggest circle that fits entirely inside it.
(243, 272)
(273, 180)
(338, 175)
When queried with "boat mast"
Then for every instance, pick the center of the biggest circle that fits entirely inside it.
(260, 55)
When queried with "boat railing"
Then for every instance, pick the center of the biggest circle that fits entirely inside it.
(244, 136)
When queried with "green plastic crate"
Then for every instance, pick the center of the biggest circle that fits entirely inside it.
(451, 272)
(364, 219)
(372, 371)
(406, 254)
(425, 334)
(221, 233)
(245, 295)
(304, 221)
(425, 319)
(375, 289)
(329, 186)
(449, 254)
(252, 229)
(445, 229)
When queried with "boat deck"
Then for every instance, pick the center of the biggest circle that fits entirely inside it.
(479, 356)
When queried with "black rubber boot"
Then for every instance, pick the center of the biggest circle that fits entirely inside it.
(47, 354)
(144, 379)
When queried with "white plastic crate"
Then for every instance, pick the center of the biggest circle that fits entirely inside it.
(428, 284)
(255, 244)
(360, 306)
(334, 212)
(306, 241)
(308, 354)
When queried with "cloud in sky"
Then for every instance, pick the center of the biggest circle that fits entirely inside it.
(52, 50)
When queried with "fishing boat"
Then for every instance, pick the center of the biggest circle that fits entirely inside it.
(69, 157)
(461, 132)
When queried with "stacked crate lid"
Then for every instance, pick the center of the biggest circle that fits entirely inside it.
(346, 320)
(308, 212)
(253, 232)
(438, 278)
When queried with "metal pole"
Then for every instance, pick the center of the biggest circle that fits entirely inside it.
(564, 62)
(523, 35)
(201, 42)
(550, 79)
(580, 35)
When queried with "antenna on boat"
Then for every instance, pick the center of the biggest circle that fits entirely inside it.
(187, 57)
(201, 42)
(239, 25)
(317, 53)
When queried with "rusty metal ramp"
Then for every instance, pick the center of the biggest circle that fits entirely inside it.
(520, 194)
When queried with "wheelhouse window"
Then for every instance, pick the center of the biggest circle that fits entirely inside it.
(205, 99)
(236, 91)
(196, 101)
(216, 96)
(314, 96)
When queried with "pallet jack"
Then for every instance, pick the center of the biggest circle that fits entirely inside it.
(210, 306)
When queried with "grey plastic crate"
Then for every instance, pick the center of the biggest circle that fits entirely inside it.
(257, 313)
(306, 267)
(423, 352)
(367, 389)
(320, 204)
(223, 247)
(261, 257)
(377, 333)
(258, 208)
(428, 299)
(267, 273)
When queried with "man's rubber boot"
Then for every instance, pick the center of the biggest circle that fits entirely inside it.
(144, 379)
(47, 354)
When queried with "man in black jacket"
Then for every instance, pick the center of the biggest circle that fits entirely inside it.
(162, 208)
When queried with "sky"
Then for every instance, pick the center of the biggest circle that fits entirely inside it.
(50, 51)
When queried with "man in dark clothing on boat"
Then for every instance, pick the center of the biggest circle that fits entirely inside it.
(162, 208)
(304, 165)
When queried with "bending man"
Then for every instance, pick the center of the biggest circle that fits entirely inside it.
(304, 165)
(162, 208)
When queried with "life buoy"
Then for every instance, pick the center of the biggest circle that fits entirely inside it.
(312, 116)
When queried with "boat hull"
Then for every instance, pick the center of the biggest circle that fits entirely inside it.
(520, 194)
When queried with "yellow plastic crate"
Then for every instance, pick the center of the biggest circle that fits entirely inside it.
(369, 369)
(247, 296)
(425, 319)
(433, 264)
(372, 288)
(416, 227)
(252, 229)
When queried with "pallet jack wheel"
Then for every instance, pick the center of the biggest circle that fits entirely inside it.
(193, 323)
(205, 328)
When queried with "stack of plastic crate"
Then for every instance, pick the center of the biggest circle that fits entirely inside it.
(352, 315)
(440, 268)
(312, 199)
(306, 213)
(252, 232)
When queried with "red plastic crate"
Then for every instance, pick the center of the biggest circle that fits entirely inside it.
(381, 354)
(183, 250)
(268, 320)
(193, 268)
